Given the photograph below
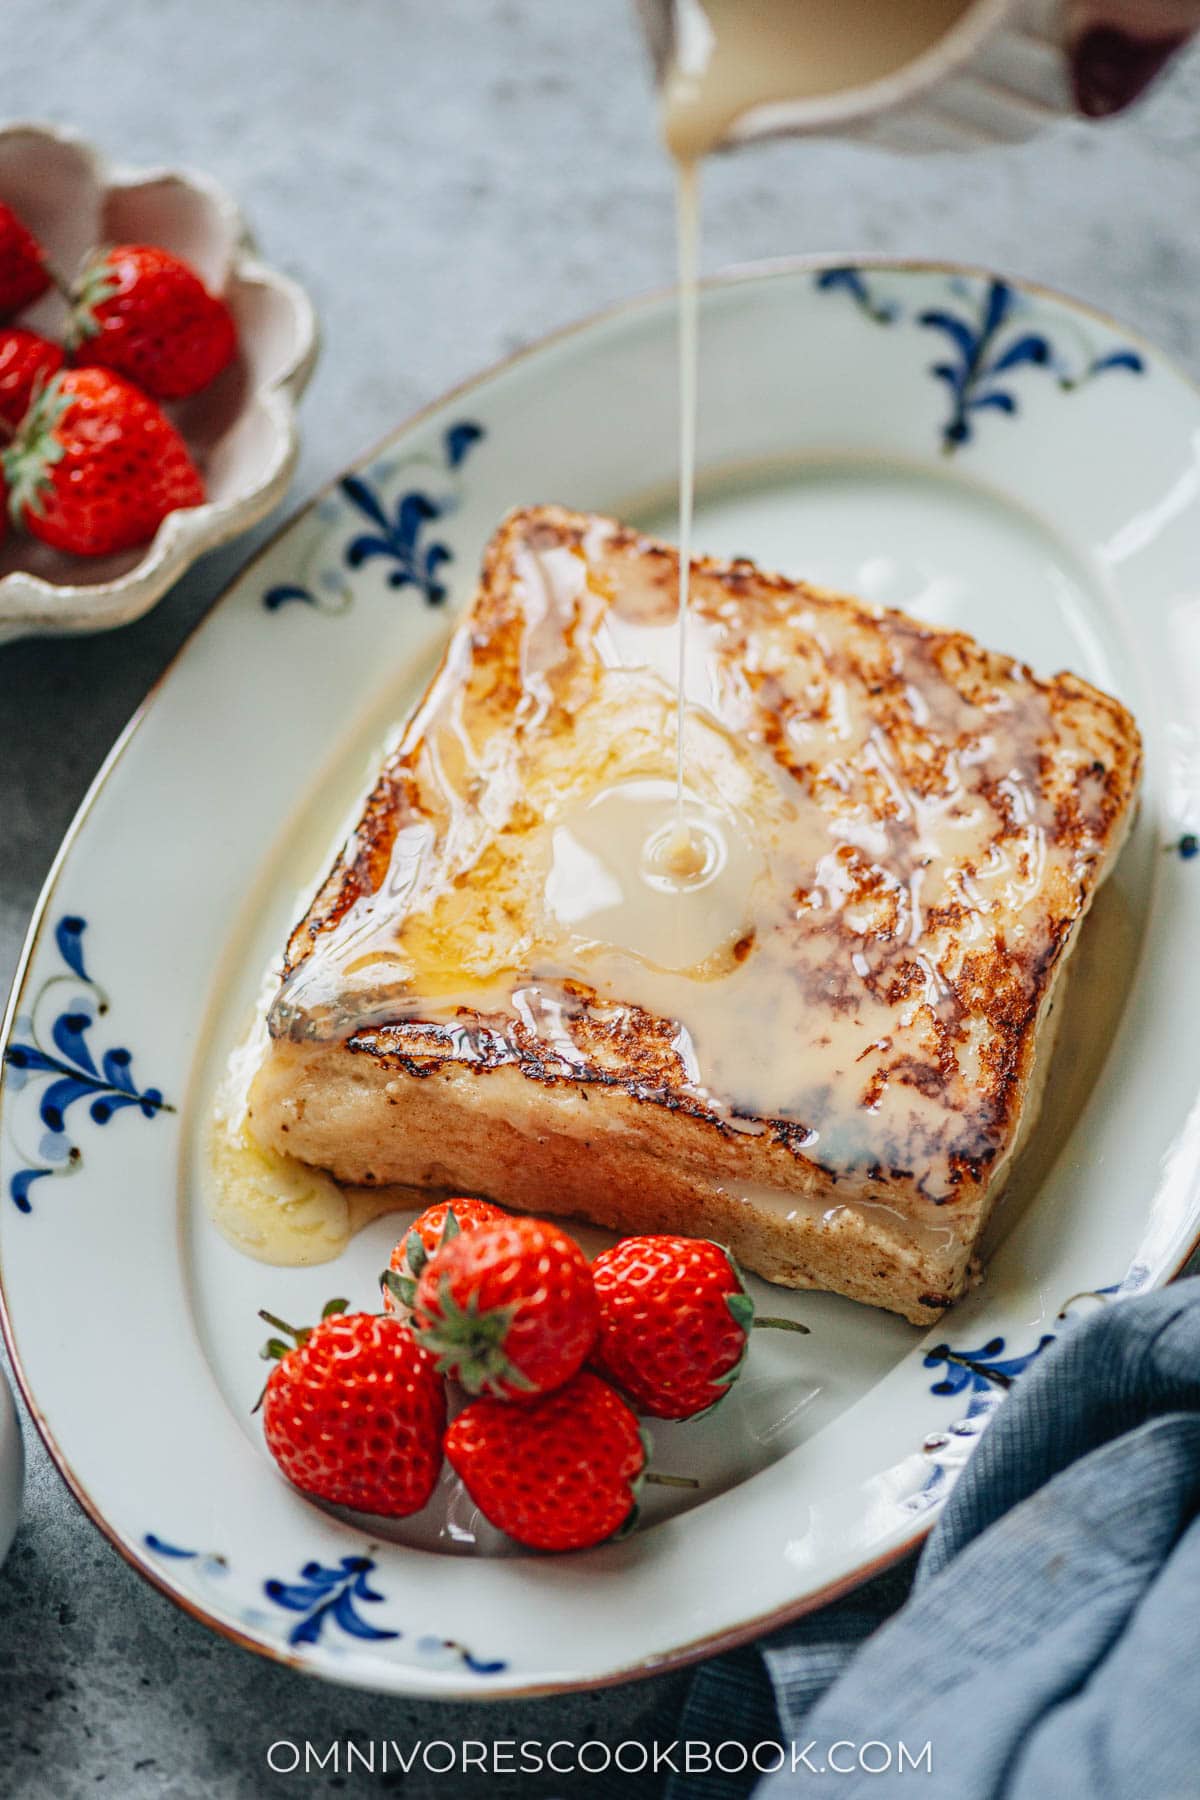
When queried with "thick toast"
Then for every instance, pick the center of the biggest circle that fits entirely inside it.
(836, 1086)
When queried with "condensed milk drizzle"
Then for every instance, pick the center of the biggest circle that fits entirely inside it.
(682, 853)
(774, 924)
(727, 60)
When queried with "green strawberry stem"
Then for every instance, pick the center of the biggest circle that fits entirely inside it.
(678, 1481)
(294, 1331)
(782, 1325)
(274, 1350)
(299, 1334)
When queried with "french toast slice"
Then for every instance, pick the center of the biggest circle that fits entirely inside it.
(828, 1065)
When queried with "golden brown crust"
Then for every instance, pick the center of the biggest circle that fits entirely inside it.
(584, 1157)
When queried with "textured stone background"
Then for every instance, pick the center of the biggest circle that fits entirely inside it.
(450, 181)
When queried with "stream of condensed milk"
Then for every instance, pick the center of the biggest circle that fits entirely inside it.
(730, 58)
(684, 853)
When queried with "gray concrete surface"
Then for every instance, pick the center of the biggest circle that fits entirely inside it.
(450, 181)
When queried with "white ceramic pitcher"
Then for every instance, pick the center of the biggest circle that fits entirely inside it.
(996, 74)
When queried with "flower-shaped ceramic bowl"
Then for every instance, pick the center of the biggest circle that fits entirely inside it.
(241, 429)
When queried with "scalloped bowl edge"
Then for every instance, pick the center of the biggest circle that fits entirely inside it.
(31, 604)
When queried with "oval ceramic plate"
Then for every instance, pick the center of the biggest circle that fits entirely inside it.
(991, 457)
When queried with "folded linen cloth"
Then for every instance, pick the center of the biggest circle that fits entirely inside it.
(1050, 1644)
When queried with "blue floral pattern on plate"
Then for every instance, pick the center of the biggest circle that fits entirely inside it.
(853, 282)
(321, 1596)
(992, 335)
(985, 1375)
(976, 1371)
(328, 1596)
(69, 1068)
(397, 529)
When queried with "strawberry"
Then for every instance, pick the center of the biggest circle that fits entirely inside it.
(144, 313)
(557, 1473)
(508, 1309)
(26, 362)
(353, 1412)
(674, 1323)
(96, 466)
(435, 1227)
(24, 276)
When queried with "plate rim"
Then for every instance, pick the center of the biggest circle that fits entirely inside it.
(745, 1631)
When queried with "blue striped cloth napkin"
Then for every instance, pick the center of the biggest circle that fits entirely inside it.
(1047, 1645)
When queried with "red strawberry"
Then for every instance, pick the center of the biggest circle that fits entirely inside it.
(674, 1323)
(557, 1473)
(26, 360)
(435, 1227)
(96, 466)
(145, 314)
(354, 1412)
(508, 1308)
(24, 277)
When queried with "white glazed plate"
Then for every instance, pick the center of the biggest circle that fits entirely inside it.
(992, 457)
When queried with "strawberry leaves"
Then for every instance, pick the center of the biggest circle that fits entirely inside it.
(96, 285)
(33, 453)
(402, 1288)
(401, 1285)
(742, 1308)
(275, 1348)
(469, 1343)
